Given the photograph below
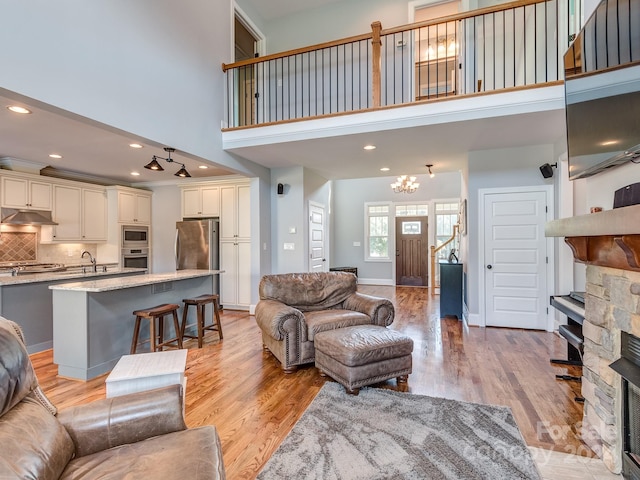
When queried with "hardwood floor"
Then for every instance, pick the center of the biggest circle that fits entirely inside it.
(240, 388)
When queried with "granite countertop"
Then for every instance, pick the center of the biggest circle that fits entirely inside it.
(108, 284)
(64, 275)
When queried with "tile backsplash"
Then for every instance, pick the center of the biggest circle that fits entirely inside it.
(18, 246)
(21, 245)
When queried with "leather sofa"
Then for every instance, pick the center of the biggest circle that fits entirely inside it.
(141, 435)
(293, 307)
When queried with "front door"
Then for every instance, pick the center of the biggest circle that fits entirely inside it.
(515, 259)
(411, 251)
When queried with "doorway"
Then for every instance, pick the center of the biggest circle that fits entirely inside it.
(412, 251)
(246, 46)
(317, 255)
(436, 49)
(515, 269)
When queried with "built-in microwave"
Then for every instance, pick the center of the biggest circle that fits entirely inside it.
(135, 236)
(135, 258)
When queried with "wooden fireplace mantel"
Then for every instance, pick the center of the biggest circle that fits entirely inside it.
(606, 239)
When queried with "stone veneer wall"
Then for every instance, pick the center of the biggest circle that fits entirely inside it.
(612, 306)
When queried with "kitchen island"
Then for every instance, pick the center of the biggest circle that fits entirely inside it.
(93, 320)
(27, 300)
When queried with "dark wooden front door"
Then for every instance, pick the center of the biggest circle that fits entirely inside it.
(412, 251)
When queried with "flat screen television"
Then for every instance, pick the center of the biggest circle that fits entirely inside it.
(602, 90)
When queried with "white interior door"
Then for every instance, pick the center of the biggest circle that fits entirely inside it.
(317, 257)
(515, 259)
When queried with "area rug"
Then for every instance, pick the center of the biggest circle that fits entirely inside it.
(382, 434)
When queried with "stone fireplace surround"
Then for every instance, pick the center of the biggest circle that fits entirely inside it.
(609, 243)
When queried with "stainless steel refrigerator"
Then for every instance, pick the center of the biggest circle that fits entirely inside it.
(196, 246)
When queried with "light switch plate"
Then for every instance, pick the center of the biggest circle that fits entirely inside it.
(292, 229)
(356, 244)
(289, 246)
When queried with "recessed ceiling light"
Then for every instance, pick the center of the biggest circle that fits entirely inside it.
(18, 109)
(135, 174)
(135, 145)
(55, 155)
(384, 169)
(369, 147)
(204, 167)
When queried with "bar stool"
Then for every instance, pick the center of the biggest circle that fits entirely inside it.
(156, 340)
(200, 303)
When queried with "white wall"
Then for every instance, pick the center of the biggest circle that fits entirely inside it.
(509, 167)
(288, 214)
(349, 197)
(333, 21)
(149, 67)
(166, 211)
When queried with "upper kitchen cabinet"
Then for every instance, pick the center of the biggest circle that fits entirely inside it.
(235, 212)
(67, 214)
(200, 201)
(80, 214)
(21, 192)
(94, 215)
(134, 207)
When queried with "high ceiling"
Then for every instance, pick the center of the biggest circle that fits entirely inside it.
(94, 149)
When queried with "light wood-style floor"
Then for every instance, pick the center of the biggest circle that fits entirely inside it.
(238, 387)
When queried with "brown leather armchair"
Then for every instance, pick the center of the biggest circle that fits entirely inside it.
(141, 435)
(293, 307)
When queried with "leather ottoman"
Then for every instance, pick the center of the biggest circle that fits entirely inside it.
(363, 355)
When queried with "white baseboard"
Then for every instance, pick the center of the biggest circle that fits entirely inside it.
(475, 320)
(376, 281)
(252, 309)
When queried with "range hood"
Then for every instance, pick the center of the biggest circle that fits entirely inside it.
(28, 217)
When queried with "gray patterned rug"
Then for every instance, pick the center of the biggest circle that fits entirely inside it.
(382, 434)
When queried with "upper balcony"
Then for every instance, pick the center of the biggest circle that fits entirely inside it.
(470, 66)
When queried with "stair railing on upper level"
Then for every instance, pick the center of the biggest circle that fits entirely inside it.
(514, 45)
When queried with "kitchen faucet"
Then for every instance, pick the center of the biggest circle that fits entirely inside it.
(93, 260)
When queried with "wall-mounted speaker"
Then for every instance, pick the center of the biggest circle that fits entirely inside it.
(547, 170)
(280, 189)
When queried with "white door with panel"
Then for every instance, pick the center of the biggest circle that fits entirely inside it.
(317, 258)
(515, 259)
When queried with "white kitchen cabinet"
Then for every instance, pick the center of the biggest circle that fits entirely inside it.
(235, 212)
(235, 282)
(67, 213)
(201, 202)
(81, 215)
(20, 192)
(94, 215)
(134, 207)
(235, 245)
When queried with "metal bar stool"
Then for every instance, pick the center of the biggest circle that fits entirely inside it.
(200, 302)
(156, 340)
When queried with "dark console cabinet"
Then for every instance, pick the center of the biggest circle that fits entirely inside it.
(451, 289)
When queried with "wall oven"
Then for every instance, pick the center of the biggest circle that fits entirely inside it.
(135, 258)
(135, 236)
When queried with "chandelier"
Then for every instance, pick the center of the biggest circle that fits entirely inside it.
(405, 184)
(154, 165)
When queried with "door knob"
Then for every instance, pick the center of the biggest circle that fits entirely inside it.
(489, 267)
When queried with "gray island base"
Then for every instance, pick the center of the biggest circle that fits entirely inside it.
(93, 321)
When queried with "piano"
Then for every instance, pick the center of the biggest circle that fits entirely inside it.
(571, 305)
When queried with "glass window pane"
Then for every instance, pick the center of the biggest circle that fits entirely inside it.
(411, 228)
(378, 247)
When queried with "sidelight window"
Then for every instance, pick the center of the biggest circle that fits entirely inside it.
(377, 231)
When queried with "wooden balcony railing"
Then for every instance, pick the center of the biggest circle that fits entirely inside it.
(513, 45)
